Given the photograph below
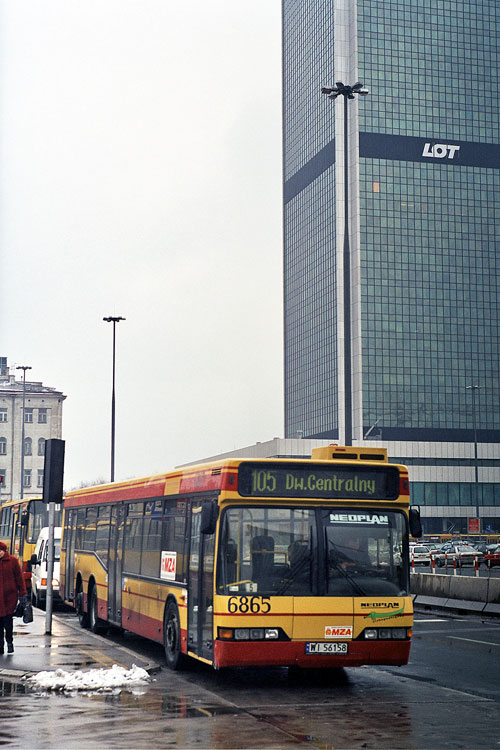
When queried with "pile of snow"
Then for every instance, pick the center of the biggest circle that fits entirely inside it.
(101, 680)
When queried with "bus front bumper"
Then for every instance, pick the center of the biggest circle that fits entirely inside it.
(293, 653)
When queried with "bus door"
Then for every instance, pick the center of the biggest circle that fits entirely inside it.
(115, 564)
(200, 582)
(69, 571)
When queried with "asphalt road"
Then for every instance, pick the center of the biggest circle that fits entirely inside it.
(447, 697)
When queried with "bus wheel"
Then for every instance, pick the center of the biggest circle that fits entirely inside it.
(96, 624)
(172, 637)
(83, 617)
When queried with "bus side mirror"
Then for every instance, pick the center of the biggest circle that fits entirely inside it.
(25, 519)
(209, 514)
(34, 559)
(415, 523)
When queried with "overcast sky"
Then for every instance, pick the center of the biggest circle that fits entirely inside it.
(140, 175)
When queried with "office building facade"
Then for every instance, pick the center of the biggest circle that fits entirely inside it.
(423, 174)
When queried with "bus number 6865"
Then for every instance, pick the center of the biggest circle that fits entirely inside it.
(249, 605)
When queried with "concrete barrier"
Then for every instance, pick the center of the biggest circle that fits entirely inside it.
(463, 593)
(494, 590)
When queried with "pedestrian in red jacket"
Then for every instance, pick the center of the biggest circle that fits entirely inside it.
(12, 588)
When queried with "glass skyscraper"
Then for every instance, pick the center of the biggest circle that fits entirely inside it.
(423, 231)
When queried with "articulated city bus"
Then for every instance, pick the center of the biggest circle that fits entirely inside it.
(250, 562)
(20, 524)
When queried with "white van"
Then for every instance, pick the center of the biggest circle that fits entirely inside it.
(39, 568)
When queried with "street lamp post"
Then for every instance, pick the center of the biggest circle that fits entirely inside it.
(348, 92)
(475, 388)
(23, 368)
(114, 320)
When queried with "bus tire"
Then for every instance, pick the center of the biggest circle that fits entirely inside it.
(95, 623)
(172, 637)
(83, 617)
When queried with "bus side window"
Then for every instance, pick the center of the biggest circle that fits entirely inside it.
(132, 542)
(90, 529)
(102, 534)
(5, 522)
(173, 536)
(80, 523)
(150, 561)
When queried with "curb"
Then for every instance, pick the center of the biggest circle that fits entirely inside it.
(457, 605)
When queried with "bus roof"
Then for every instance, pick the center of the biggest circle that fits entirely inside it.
(213, 476)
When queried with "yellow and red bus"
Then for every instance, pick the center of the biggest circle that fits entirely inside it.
(247, 562)
(20, 524)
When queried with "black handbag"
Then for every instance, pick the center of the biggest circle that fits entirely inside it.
(28, 613)
(19, 610)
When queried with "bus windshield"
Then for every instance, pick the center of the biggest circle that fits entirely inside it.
(312, 551)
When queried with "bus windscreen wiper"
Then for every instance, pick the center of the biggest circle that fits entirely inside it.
(330, 561)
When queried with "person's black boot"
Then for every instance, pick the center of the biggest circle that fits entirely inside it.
(10, 648)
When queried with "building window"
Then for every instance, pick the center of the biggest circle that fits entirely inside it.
(42, 416)
(28, 415)
(27, 478)
(40, 478)
(28, 446)
(41, 446)
(3, 414)
(3, 446)
(2, 479)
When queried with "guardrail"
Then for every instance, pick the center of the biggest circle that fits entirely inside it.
(462, 593)
(454, 562)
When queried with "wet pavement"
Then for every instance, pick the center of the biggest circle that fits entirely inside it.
(68, 647)
(428, 704)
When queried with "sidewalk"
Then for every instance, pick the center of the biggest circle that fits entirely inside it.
(69, 647)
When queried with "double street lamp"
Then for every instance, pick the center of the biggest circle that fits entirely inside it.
(348, 92)
(114, 320)
(23, 368)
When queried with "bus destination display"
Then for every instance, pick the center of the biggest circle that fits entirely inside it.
(329, 482)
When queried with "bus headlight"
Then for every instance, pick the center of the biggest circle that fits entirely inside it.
(272, 634)
(386, 634)
(241, 634)
(252, 634)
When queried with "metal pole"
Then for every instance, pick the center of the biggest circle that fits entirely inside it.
(476, 469)
(348, 92)
(475, 388)
(50, 570)
(347, 292)
(114, 320)
(23, 368)
(113, 408)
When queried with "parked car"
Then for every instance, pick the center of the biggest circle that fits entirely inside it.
(462, 553)
(434, 546)
(492, 556)
(420, 554)
(39, 568)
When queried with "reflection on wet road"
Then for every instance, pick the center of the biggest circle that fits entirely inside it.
(421, 706)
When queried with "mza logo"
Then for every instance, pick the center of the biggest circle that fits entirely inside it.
(440, 150)
(338, 631)
(168, 565)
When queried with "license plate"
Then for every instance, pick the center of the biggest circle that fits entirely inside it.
(326, 648)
